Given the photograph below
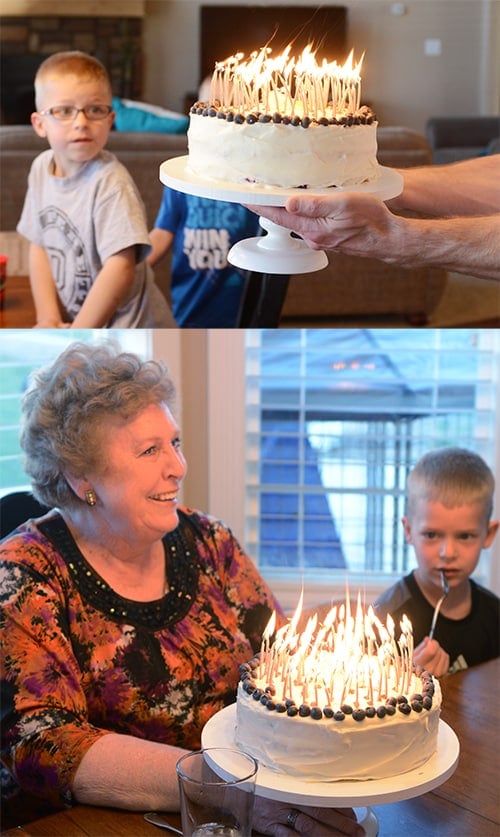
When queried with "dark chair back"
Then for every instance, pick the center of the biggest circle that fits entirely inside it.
(17, 507)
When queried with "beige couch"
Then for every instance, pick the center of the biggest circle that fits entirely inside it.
(348, 286)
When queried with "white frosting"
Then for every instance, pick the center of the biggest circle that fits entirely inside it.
(327, 750)
(282, 155)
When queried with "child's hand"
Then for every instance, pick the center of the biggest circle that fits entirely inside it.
(51, 323)
(432, 657)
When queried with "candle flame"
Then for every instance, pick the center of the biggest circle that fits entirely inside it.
(270, 627)
(348, 656)
(301, 86)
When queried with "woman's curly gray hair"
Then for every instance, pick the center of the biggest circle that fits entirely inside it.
(67, 403)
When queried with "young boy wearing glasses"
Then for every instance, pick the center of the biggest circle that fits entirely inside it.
(82, 214)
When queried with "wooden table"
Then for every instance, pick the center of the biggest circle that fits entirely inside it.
(18, 309)
(260, 308)
(467, 805)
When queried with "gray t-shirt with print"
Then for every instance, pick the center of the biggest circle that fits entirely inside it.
(83, 220)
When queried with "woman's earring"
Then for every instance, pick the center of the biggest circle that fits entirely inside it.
(90, 497)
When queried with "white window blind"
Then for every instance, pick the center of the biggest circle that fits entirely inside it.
(335, 421)
(21, 352)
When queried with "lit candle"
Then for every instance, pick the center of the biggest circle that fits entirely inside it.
(406, 626)
(264, 647)
(293, 84)
(350, 659)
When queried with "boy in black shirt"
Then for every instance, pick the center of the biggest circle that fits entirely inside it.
(448, 522)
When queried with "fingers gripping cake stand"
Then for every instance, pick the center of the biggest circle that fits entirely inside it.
(272, 258)
(219, 732)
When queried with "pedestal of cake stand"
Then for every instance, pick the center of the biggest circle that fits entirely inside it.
(278, 252)
(219, 732)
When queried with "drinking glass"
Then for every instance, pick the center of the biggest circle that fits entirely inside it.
(217, 790)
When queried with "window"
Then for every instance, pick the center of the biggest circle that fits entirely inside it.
(20, 354)
(335, 421)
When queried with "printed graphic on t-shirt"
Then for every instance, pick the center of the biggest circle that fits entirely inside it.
(459, 665)
(68, 259)
(207, 238)
(206, 249)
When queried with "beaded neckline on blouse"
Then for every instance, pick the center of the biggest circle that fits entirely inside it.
(181, 572)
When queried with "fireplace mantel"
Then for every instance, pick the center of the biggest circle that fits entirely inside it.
(76, 8)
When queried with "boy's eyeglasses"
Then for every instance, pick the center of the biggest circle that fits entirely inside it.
(66, 113)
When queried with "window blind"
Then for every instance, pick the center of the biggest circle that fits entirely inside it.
(335, 419)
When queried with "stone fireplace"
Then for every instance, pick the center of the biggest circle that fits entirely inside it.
(25, 40)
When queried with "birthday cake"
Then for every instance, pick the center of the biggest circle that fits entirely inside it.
(342, 701)
(285, 123)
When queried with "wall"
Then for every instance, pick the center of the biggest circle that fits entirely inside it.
(186, 354)
(403, 84)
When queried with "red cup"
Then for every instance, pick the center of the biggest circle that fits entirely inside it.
(3, 278)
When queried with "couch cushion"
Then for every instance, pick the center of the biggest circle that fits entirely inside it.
(400, 147)
(144, 142)
(21, 138)
(137, 116)
(465, 131)
(455, 138)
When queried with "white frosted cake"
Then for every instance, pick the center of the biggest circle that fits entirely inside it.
(284, 123)
(339, 704)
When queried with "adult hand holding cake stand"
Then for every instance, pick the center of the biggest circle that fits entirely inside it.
(461, 202)
(278, 252)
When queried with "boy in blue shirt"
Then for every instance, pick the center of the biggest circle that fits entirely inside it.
(205, 290)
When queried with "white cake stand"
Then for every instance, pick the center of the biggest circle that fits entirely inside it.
(219, 731)
(278, 252)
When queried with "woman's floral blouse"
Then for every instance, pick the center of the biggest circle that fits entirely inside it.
(79, 661)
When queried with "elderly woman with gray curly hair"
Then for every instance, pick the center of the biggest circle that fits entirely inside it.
(125, 617)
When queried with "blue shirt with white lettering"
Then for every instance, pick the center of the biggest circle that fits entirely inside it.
(205, 290)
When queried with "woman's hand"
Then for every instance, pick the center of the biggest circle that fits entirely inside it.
(280, 819)
(432, 657)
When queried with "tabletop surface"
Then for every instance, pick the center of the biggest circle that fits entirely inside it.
(19, 311)
(466, 804)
